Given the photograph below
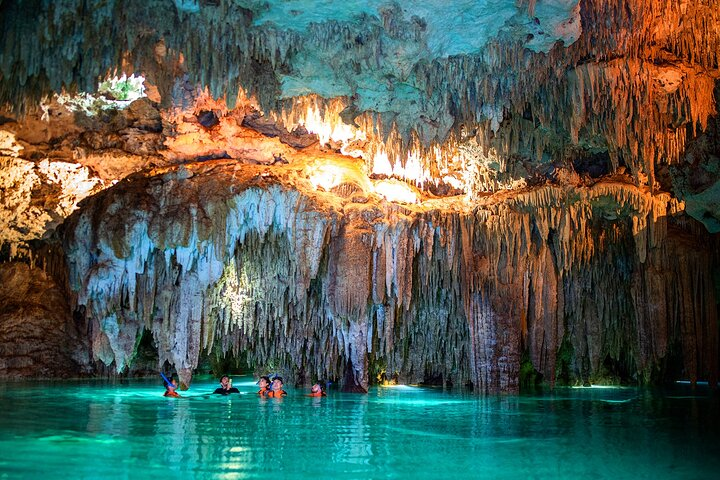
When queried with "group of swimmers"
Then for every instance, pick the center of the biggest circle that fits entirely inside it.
(268, 388)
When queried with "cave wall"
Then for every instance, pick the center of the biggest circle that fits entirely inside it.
(39, 336)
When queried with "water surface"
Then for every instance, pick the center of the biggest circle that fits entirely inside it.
(127, 429)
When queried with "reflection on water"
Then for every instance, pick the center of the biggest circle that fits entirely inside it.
(128, 430)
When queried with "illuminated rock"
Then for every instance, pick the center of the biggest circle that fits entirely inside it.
(427, 82)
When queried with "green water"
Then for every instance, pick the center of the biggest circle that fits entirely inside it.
(99, 429)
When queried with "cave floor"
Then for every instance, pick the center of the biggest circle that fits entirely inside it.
(127, 429)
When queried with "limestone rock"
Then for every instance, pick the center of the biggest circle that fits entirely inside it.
(632, 79)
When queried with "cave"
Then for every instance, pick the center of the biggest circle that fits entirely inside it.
(486, 199)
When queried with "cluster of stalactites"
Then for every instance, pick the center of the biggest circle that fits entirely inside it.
(638, 107)
(505, 98)
(660, 31)
(217, 46)
(314, 292)
(628, 101)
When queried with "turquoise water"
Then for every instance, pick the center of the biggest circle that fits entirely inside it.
(101, 429)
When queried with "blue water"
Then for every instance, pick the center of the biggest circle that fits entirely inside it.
(126, 429)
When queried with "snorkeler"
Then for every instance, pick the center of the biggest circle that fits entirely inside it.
(317, 391)
(170, 389)
(277, 388)
(264, 384)
(226, 387)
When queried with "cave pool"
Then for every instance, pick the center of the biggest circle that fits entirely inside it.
(127, 429)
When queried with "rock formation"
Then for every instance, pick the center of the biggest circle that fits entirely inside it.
(224, 256)
(445, 193)
(38, 335)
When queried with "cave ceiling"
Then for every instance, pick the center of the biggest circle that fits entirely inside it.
(438, 100)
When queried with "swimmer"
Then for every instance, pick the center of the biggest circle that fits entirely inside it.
(277, 388)
(170, 389)
(317, 391)
(264, 384)
(226, 387)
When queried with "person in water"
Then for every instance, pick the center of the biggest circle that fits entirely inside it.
(264, 384)
(317, 391)
(226, 387)
(170, 390)
(277, 388)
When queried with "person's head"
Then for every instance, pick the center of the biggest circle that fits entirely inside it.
(264, 382)
(225, 381)
(316, 388)
(172, 385)
(277, 383)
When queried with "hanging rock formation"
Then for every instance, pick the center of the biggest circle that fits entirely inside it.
(218, 256)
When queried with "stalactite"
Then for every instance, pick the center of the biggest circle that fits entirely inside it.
(208, 258)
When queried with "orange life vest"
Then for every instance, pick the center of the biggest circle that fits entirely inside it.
(174, 394)
(317, 394)
(274, 394)
(263, 391)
